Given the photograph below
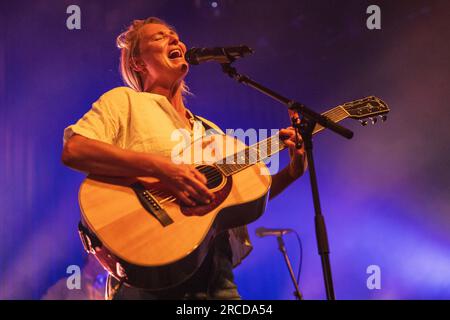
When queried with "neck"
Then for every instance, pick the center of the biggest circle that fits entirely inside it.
(173, 94)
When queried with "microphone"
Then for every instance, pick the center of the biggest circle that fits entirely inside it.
(196, 56)
(264, 232)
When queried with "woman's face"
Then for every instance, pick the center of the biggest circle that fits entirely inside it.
(161, 55)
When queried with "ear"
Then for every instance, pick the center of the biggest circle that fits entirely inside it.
(137, 64)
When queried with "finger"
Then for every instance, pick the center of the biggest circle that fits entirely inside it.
(290, 144)
(198, 190)
(183, 197)
(196, 195)
(299, 139)
(300, 152)
(287, 131)
(193, 194)
(200, 176)
(295, 138)
(284, 135)
(203, 180)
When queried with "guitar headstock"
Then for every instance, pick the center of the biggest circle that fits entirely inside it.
(367, 108)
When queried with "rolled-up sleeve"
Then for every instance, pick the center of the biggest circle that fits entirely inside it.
(100, 123)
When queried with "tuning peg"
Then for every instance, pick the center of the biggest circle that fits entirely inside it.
(383, 117)
(374, 120)
(363, 122)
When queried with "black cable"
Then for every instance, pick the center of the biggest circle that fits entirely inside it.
(300, 256)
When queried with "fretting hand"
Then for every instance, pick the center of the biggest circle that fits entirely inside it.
(298, 163)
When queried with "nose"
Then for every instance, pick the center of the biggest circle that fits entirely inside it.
(172, 39)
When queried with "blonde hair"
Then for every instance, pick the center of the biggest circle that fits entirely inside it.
(128, 43)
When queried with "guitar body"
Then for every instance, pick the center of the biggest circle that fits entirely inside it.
(158, 250)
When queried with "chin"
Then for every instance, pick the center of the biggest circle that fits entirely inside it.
(184, 68)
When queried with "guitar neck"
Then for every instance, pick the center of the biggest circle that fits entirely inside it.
(274, 144)
(268, 147)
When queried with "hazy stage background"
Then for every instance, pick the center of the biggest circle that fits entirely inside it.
(384, 194)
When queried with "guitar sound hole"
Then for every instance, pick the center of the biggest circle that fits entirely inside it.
(213, 175)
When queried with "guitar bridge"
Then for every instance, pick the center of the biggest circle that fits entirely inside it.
(150, 204)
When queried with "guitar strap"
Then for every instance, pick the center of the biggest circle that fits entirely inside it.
(210, 128)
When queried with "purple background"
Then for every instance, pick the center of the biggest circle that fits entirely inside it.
(384, 194)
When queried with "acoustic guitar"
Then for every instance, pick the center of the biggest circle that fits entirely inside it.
(146, 238)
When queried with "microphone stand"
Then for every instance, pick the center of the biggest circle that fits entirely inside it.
(283, 250)
(305, 128)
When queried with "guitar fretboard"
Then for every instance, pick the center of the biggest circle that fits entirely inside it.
(267, 147)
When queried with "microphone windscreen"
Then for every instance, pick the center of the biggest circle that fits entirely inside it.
(190, 56)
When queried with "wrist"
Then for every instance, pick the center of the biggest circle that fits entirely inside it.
(151, 164)
(293, 172)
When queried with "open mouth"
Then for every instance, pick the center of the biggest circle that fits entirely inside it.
(175, 54)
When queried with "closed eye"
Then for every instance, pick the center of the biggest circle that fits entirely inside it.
(158, 36)
(161, 35)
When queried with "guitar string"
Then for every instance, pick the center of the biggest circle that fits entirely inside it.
(248, 155)
(230, 168)
(212, 173)
(335, 114)
(213, 178)
(160, 193)
(210, 178)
